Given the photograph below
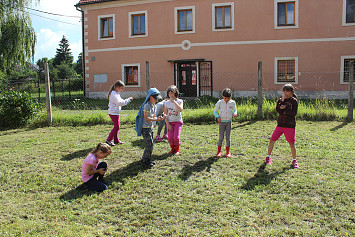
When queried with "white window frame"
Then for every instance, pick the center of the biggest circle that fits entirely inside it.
(130, 24)
(99, 27)
(344, 16)
(276, 14)
(176, 9)
(124, 74)
(214, 5)
(276, 72)
(342, 68)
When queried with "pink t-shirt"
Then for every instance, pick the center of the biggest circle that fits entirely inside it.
(91, 159)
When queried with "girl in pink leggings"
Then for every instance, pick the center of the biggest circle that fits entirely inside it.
(173, 108)
(286, 107)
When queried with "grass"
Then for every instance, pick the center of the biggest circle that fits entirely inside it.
(193, 194)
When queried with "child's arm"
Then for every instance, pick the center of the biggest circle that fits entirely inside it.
(235, 112)
(166, 118)
(291, 108)
(90, 171)
(119, 101)
(179, 107)
(151, 119)
(215, 112)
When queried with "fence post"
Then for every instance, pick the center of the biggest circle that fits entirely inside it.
(260, 89)
(147, 77)
(48, 95)
(351, 93)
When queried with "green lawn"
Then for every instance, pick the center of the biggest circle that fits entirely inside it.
(193, 194)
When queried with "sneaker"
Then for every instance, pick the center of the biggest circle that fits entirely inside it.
(165, 137)
(110, 143)
(148, 163)
(119, 142)
(106, 182)
(158, 138)
(295, 164)
(268, 160)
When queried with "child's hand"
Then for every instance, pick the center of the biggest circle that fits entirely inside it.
(102, 171)
(283, 98)
(172, 99)
(165, 116)
(169, 127)
(219, 120)
(235, 115)
(130, 98)
(282, 106)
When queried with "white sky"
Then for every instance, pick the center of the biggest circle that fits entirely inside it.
(50, 32)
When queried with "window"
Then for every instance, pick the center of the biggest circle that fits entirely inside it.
(348, 12)
(223, 16)
(286, 70)
(345, 68)
(138, 24)
(106, 26)
(184, 20)
(131, 74)
(286, 14)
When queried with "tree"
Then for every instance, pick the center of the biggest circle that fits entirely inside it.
(79, 65)
(63, 54)
(17, 37)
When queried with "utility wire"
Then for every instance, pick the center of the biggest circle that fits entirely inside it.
(50, 13)
(53, 19)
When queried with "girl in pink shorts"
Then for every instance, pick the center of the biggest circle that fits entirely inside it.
(286, 107)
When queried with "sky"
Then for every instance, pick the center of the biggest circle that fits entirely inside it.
(49, 32)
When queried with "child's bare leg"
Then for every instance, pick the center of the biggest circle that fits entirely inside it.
(271, 146)
(293, 150)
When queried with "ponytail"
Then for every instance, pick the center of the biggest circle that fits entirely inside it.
(118, 83)
(105, 148)
(295, 95)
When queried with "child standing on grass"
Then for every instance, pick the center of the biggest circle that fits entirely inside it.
(114, 110)
(144, 124)
(92, 172)
(173, 108)
(160, 112)
(287, 107)
(224, 112)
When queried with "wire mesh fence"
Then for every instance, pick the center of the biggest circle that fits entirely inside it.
(195, 87)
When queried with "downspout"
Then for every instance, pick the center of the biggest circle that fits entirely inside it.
(83, 45)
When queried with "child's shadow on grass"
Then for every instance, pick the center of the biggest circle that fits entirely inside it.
(262, 177)
(77, 154)
(199, 166)
(244, 124)
(76, 193)
(138, 143)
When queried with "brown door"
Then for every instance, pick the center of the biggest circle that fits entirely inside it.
(187, 79)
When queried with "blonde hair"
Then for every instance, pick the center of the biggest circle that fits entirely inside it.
(118, 83)
(105, 148)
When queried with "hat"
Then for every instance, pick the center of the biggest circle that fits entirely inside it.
(157, 96)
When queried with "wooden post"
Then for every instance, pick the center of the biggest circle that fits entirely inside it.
(260, 89)
(48, 95)
(147, 77)
(351, 93)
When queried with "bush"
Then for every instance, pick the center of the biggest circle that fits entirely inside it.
(15, 108)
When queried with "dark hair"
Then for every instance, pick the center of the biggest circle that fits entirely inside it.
(289, 87)
(118, 83)
(227, 92)
(173, 89)
(105, 148)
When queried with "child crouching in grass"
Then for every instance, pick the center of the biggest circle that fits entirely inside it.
(92, 172)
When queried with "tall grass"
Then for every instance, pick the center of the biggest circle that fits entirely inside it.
(200, 111)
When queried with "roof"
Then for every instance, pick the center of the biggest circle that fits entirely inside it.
(85, 2)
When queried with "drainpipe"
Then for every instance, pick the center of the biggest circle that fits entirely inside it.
(83, 45)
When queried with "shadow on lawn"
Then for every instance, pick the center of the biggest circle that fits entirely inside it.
(76, 193)
(199, 166)
(77, 154)
(244, 124)
(138, 143)
(262, 177)
(339, 126)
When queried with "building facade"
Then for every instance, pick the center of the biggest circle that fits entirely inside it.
(203, 46)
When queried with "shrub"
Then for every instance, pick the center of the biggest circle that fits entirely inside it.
(15, 108)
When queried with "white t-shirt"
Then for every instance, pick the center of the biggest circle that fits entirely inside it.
(173, 114)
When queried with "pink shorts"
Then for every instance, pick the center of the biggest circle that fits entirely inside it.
(289, 134)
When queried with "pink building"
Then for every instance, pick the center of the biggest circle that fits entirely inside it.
(204, 46)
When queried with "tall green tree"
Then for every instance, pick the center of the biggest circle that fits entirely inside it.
(17, 37)
(79, 65)
(63, 53)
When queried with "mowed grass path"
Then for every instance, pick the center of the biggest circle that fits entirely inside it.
(193, 194)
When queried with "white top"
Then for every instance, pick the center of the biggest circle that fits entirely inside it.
(115, 103)
(173, 114)
(226, 110)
